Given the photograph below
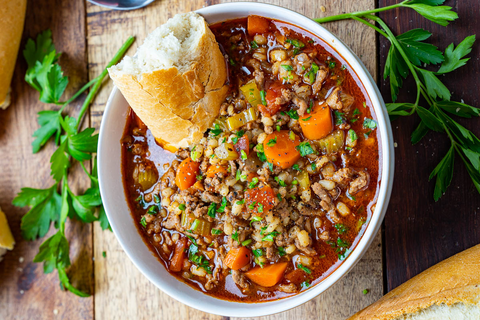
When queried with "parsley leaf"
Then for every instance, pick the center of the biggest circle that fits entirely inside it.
(293, 114)
(341, 228)
(212, 209)
(272, 142)
(369, 123)
(223, 205)
(302, 267)
(257, 252)
(453, 57)
(418, 51)
(305, 149)
(49, 121)
(444, 173)
(440, 15)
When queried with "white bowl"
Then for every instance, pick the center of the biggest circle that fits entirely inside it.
(111, 185)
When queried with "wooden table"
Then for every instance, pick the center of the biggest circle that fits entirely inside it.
(417, 232)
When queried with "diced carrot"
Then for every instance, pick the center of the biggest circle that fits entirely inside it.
(214, 169)
(176, 263)
(267, 276)
(318, 123)
(187, 174)
(280, 149)
(237, 258)
(260, 200)
(256, 24)
(243, 144)
(199, 186)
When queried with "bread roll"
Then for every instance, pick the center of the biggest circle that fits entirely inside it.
(176, 81)
(6, 238)
(448, 290)
(12, 16)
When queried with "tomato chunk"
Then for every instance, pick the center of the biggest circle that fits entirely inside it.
(260, 200)
(243, 144)
(187, 174)
(176, 263)
(256, 24)
(272, 107)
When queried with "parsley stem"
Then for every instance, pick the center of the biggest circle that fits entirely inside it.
(371, 26)
(359, 13)
(79, 92)
(100, 78)
(88, 173)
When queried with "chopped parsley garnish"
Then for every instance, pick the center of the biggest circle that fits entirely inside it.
(263, 96)
(291, 136)
(281, 251)
(367, 134)
(352, 135)
(270, 166)
(312, 73)
(295, 182)
(349, 196)
(156, 198)
(198, 260)
(143, 222)
(272, 142)
(199, 177)
(296, 167)
(310, 107)
(182, 206)
(195, 225)
(255, 219)
(212, 209)
(313, 166)
(254, 44)
(253, 183)
(341, 228)
(278, 127)
(260, 208)
(287, 67)
(301, 267)
(263, 229)
(356, 112)
(305, 148)
(279, 197)
(305, 284)
(293, 114)
(251, 206)
(246, 242)
(232, 62)
(238, 175)
(235, 235)
(332, 64)
(223, 205)
(306, 119)
(216, 231)
(343, 67)
(240, 202)
(280, 182)
(342, 243)
(104, 254)
(216, 131)
(243, 155)
(296, 43)
(339, 118)
(365, 291)
(257, 252)
(270, 236)
(369, 123)
(152, 210)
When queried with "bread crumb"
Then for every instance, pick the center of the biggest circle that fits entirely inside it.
(323, 8)
(395, 144)
(55, 311)
(21, 259)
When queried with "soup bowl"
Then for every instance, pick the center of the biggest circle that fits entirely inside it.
(123, 225)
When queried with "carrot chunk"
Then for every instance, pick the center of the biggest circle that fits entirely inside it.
(256, 24)
(279, 148)
(187, 174)
(176, 263)
(267, 276)
(214, 169)
(237, 258)
(318, 123)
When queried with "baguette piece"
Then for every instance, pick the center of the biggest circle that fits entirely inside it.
(6, 238)
(448, 290)
(176, 81)
(12, 15)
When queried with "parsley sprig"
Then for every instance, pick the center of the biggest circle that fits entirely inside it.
(409, 54)
(48, 206)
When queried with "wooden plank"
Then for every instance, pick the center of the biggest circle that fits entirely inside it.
(121, 291)
(25, 292)
(420, 232)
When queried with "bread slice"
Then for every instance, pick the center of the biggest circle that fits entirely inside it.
(448, 290)
(176, 81)
(6, 238)
(12, 15)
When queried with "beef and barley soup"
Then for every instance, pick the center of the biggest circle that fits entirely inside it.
(280, 189)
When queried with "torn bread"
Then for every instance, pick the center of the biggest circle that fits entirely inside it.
(176, 81)
(6, 238)
(448, 290)
(12, 15)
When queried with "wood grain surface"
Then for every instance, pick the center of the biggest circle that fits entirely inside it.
(88, 36)
(420, 232)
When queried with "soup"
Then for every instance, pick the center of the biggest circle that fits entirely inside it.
(280, 189)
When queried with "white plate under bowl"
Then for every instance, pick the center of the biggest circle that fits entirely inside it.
(113, 195)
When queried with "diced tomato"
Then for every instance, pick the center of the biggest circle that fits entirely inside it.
(256, 24)
(243, 144)
(176, 263)
(273, 92)
(260, 200)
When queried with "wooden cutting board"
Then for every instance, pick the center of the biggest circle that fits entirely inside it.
(88, 36)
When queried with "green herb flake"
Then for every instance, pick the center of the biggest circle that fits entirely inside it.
(212, 209)
(254, 44)
(243, 155)
(223, 205)
(301, 267)
(235, 235)
(182, 207)
(257, 252)
(296, 43)
(369, 123)
(143, 222)
(271, 236)
(296, 167)
(305, 149)
(272, 142)
(153, 210)
(253, 183)
(216, 231)
(313, 165)
(365, 291)
(263, 96)
(281, 251)
(341, 228)
(306, 119)
(293, 114)
(246, 242)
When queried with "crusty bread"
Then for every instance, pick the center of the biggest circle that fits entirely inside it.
(176, 81)
(12, 15)
(448, 290)
(6, 238)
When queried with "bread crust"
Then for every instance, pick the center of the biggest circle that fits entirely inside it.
(11, 24)
(178, 106)
(454, 280)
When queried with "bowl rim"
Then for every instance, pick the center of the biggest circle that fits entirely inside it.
(386, 167)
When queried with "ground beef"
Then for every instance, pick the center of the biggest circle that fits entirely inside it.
(343, 176)
(319, 79)
(288, 288)
(239, 279)
(172, 222)
(360, 183)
